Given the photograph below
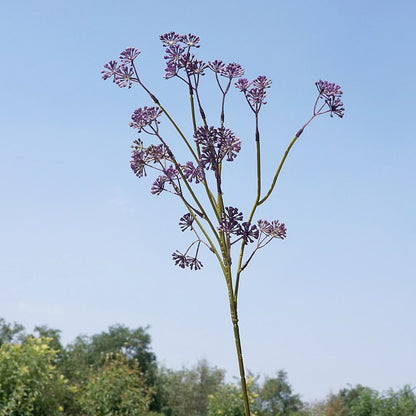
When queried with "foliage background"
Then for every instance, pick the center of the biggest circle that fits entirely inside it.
(98, 376)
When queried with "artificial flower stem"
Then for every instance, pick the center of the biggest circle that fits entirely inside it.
(297, 135)
(236, 330)
(256, 204)
(191, 98)
(179, 131)
(278, 170)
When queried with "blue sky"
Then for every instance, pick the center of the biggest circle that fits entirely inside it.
(85, 245)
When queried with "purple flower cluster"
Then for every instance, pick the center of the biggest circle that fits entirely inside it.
(138, 162)
(248, 232)
(170, 175)
(331, 93)
(254, 91)
(178, 55)
(123, 73)
(142, 157)
(193, 173)
(274, 229)
(232, 70)
(216, 144)
(186, 222)
(182, 260)
(231, 224)
(172, 38)
(145, 116)
(213, 145)
(129, 55)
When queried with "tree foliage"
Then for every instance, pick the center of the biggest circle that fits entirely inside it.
(277, 398)
(134, 344)
(114, 373)
(186, 392)
(228, 399)
(29, 381)
(364, 401)
(117, 387)
(10, 333)
(85, 355)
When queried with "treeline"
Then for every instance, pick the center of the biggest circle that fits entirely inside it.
(116, 373)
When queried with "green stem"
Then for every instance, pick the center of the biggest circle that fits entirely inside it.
(179, 131)
(279, 169)
(191, 97)
(236, 330)
(255, 205)
(258, 165)
(297, 135)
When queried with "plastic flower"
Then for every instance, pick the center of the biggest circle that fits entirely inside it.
(183, 261)
(228, 144)
(186, 222)
(191, 172)
(248, 232)
(156, 153)
(180, 259)
(171, 173)
(110, 70)
(243, 84)
(254, 91)
(169, 39)
(274, 229)
(331, 93)
(124, 76)
(216, 66)
(158, 185)
(171, 70)
(216, 144)
(174, 54)
(230, 222)
(190, 40)
(129, 55)
(194, 263)
(195, 67)
(176, 59)
(232, 70)
(145, 116)
(138, 162)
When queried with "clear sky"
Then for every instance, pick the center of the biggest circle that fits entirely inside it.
(85, 245)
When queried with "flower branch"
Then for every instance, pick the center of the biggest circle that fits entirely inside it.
(210, 148)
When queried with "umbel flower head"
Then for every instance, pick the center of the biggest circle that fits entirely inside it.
(123, 74)
(145, 116)
(129, 55)
(178, 56)
(273, 229)
(254, 91)
(231, 224)
(231, 70)
(182, 260)
(216, 144)
(331, 94)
